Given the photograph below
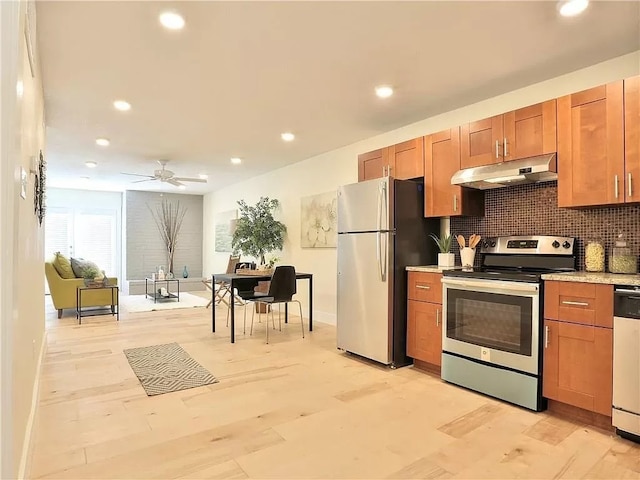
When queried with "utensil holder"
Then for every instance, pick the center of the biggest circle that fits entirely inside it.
(467, 256)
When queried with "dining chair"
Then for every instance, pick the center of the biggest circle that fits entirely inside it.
(281, 290)
(224, 289)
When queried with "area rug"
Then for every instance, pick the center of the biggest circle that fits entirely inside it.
(167, 368)
(138, 303)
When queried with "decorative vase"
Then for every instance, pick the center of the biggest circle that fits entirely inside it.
(185, 272)
(446, 260)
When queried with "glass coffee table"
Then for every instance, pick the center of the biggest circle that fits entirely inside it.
(157, 289)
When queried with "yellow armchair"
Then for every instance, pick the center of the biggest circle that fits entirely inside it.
(63, 291)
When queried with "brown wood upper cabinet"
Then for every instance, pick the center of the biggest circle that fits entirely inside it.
(632, 139)
(406, 159)
(530, 131)
(591, 162)
(481, 142)
(373, 164)
(522, 133)
(441, 161)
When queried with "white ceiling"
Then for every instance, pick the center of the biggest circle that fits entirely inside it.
(240, 73)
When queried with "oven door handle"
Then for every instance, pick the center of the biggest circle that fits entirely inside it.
(492, 285)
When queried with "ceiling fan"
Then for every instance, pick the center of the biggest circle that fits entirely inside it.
(165, 175)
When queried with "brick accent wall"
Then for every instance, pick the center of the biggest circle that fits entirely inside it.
(533, 210)
(145, 249)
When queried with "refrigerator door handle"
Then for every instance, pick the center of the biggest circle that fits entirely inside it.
(383, 198)
(378, 253)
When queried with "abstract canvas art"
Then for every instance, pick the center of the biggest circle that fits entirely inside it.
(319, 221)
(224, 227)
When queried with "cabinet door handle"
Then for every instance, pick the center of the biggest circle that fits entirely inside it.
(630, 189)
(497, 149)
(615, 186)
(546, 336)
(455, 203)
(506, 152)
(580, 304)
(423, 287)
(437, 317)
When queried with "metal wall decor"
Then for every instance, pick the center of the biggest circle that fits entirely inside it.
(39, 188)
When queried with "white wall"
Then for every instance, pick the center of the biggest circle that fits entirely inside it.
(328, 171)
(21, 256)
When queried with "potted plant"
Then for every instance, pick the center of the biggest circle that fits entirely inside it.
(257, 232)
(445, 258)
(89, 274)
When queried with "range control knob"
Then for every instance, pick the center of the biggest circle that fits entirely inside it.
(566, 244)
(555, 244)
(493, 243)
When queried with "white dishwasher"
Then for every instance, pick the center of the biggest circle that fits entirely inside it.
(626, 362)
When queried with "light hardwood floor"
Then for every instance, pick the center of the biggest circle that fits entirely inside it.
(292, 409)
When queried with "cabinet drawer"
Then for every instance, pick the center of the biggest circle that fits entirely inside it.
(425, 287)
(575, 302)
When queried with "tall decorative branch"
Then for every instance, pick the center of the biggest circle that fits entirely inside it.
(168, 217)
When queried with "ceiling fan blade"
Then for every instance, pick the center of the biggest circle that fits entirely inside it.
(145, 180)
(184, 179)
(137, 175)
(174, 182)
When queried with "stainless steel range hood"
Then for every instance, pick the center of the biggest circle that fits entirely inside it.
(528, 170)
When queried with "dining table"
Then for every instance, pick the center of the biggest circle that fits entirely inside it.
(247, 283)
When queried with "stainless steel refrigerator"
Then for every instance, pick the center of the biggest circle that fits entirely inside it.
(381, 230)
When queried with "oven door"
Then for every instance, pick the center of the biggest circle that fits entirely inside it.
(493, 321)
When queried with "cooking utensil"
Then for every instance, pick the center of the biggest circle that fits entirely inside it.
(461, 241)
(474, 240)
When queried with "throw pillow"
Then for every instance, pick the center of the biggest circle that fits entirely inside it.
(79, 265)
(63, 266)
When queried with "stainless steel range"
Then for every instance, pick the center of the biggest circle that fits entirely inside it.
(492, 317)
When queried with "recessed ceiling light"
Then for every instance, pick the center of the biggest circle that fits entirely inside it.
(20, 88)
(287, 136)
(103, 142)
(122, 105)
(182, 187)
(238, 161)
(172, 20)
(571, 8)
(91, 164)
(384, 91)
(203, 176)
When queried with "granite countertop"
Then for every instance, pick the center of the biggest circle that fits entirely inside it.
(595, 277)
(428, 268)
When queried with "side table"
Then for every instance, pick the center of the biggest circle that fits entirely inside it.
(156, 295)
(114, 308)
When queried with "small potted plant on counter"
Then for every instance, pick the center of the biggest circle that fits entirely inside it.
(445, 258)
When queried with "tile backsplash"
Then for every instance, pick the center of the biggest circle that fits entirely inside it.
(533, 210)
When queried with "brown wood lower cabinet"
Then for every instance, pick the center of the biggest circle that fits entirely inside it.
(578, 365)
(424, 328)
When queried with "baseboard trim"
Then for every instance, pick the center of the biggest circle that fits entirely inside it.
(321, 317)
(580, 415)
(26, 445)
